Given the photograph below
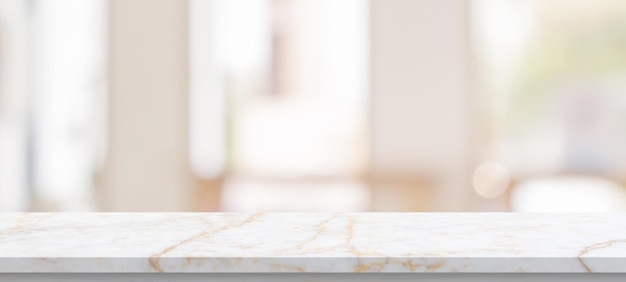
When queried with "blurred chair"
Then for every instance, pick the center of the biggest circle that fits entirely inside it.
(568, 194)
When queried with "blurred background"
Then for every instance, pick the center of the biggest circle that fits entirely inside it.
(313, 105)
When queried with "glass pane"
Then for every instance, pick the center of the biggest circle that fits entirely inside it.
(52, 103)
(13, 105)
(293, 77)
(555, 80)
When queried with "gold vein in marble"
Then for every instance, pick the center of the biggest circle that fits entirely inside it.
(312, 242)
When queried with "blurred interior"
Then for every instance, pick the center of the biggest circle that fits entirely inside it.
(313, 105)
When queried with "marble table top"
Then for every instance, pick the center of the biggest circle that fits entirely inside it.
(311, 242)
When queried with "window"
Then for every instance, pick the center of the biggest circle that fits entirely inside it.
(13, 105)
(53, 118)
(290, 79)
(553, 76)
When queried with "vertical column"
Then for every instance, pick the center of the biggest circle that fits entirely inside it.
(147, 167)
(207, 102)
(420, 90)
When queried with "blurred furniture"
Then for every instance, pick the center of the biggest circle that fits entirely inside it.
(568, 194)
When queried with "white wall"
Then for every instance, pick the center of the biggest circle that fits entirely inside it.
(420, 91)
(147, 168)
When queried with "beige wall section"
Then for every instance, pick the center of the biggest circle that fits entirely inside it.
(147, 167)
(420, 107)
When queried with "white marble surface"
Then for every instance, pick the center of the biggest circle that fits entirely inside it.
(312, 242)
